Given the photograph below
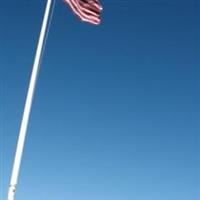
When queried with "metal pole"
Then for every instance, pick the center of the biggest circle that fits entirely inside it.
(28, 104)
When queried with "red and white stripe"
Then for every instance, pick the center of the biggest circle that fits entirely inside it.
(87, 10)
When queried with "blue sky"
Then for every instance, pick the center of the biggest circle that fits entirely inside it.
(115, 113)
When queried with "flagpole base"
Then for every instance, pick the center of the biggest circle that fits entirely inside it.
(11, 192)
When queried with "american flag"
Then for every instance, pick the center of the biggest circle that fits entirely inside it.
(87, 10)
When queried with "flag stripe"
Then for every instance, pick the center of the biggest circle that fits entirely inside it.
(90, 9)
(86, 10)
(82, 15)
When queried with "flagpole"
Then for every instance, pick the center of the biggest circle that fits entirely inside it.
(28, 104)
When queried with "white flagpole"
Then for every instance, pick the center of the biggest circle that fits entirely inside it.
(27, 108)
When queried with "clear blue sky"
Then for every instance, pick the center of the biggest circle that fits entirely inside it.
(115, 113)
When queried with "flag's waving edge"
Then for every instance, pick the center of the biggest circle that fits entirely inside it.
(87, 10)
